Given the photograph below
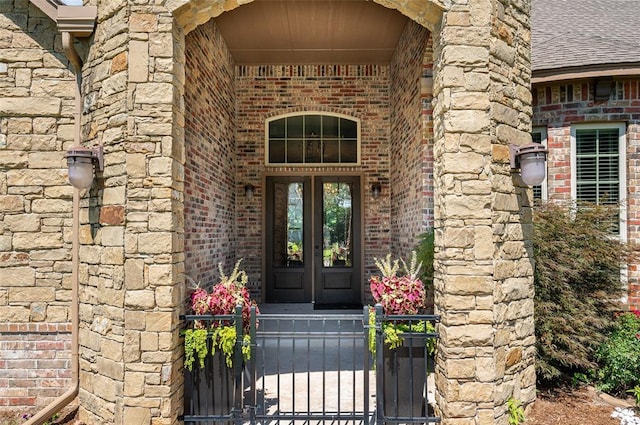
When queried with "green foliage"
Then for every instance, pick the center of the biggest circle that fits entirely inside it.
(619, 357)
(516, 412)
(579, 379)
(195, 345)
(425, 252)
(635, 391)
(577, 287)
(393, 333)
(223, 338)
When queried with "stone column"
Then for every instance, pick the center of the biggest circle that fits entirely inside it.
(132, 258)
(484, 278)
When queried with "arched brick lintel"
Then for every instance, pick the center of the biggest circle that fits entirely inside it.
(191, 13)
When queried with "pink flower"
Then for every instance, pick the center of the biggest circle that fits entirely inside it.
(224, 297)
(398, 294)
(200, 301)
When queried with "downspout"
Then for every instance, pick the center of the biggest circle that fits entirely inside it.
(56, 405)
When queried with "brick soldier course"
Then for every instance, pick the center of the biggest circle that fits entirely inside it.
(155, 98)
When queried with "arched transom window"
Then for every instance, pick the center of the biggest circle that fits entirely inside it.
(312, 138)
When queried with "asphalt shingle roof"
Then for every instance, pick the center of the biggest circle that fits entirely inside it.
(569, 33)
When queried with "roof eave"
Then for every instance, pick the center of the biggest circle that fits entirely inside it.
(77, 20)
(585, 72)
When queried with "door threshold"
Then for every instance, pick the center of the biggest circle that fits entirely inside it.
(309, 308)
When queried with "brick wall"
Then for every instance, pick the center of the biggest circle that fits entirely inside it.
(210, 190)
(36, 126)
(35, 365)
(559, 106)
(265, 91)
(407, 147)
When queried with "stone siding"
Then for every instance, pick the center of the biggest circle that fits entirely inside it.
(408, 149)
(210, 186)
(36, 125)
(483, 274)
(559, 106)
(132, 220)
(360, 91)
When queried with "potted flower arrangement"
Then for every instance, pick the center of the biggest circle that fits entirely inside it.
(208, 342)
(400, 292)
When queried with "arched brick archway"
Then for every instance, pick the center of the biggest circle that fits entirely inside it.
(483, 281)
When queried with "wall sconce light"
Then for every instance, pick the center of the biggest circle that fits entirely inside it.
(530, 159)
(376, 190)
(248, 190)
(81, 162)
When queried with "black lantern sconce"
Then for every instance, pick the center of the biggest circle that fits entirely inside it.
(376, 190)
(249, 189)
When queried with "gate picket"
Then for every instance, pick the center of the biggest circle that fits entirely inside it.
(305, 369)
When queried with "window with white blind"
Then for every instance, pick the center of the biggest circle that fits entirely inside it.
(539, 135)
(598, 165)
(312, 138)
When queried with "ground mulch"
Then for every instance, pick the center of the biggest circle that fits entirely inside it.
(575, 406)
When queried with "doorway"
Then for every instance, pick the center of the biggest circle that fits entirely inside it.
(313, 240)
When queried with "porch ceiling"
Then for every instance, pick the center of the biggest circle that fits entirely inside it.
(267, 32)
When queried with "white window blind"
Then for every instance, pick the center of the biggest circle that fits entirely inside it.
(598, 165)
(598, 168)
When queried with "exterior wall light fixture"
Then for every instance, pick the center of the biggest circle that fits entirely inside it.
(248, 190)
(376, 190)
(81, 162)
(530, 159)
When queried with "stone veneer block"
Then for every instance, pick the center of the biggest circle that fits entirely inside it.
(30, 106)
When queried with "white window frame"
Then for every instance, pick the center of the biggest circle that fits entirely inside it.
(544, 192)
(313, 164)
(622, 166)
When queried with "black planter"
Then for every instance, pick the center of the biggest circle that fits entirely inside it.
(209, 390)
(405, 377)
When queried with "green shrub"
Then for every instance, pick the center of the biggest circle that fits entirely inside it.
(424, 254)
(619, 357)
(577, 287)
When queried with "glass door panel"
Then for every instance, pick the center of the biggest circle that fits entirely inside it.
(288, 239)
(295, 225)
(336, 240)
(337, 221)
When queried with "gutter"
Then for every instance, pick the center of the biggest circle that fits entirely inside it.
(72, 21)
(583, 72)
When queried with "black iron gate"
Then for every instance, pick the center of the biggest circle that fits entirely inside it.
(313, 368)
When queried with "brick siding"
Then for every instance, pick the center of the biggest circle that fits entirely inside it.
(559, 106)
(408, 148)
(35, 365)
(210, 190)
(264, 91)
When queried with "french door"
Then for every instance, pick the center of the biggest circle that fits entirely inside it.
(313, 234)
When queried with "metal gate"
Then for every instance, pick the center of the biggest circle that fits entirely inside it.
(307, 369)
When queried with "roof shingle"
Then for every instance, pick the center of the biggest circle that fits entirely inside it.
(570, 33)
